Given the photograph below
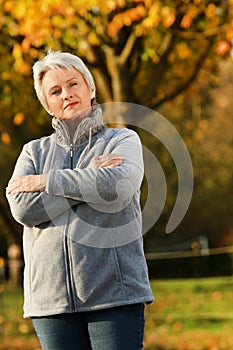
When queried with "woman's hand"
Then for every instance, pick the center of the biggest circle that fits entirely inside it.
(27, 183)
(37, 183)
(105, 160)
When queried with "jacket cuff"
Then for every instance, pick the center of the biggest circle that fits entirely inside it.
(54, 184)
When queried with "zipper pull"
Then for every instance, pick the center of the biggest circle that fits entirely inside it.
(71, 156)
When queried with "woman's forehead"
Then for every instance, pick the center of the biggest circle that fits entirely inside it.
(61, 75)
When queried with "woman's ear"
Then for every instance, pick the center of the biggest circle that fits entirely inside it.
(49, 111)
(92, 92)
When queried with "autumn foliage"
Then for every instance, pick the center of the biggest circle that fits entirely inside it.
(145, 39)
(143, 51)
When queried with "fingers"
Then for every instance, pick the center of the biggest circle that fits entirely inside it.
(14, 186)
(28, 183)
(106, 160)
(109, 163)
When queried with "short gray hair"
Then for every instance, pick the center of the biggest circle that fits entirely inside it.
(56, 60)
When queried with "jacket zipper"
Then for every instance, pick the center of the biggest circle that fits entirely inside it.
(71, 156)
(67, 247)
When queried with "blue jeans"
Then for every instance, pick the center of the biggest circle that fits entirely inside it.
(118, 328)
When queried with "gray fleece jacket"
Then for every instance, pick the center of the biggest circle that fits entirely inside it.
(82, 237)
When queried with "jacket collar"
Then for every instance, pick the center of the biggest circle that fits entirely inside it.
(89, 125)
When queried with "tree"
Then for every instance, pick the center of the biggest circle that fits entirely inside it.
(206, 114)
(146, 52)
(131, 46)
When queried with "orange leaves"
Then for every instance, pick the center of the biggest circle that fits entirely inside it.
(211, 10)
(203, 124)
(168, 16)
(193, 11)
(20, 65)
(223, 47)
(125, 18)
(113, 4)
(93, 39)
(53, 22)
(189, 16)
(5, 138)
(31, 20)
(18, 118)
(17, 9)
(183, 50)
(26, 44)
(186, 21)
(151, 20)
(77, 24)
(229, 33)
(148, 16)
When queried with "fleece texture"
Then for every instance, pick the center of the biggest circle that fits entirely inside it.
(83, 247)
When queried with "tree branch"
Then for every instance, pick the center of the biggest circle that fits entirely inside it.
(103, 87)
(187, 83)
(125, 53)
(112, 66)
(206, 34)
(156, 77)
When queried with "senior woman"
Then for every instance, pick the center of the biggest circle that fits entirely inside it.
(76, 192)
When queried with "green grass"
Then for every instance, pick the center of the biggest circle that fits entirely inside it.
(189, 314)
(16, 333)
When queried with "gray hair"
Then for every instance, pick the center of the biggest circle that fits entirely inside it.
(56, 60)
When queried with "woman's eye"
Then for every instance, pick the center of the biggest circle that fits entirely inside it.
(55, 92)
(73, 83)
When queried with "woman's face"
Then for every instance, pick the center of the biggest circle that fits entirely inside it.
(67, 93)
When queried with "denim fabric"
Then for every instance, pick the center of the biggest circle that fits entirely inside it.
(118, 328)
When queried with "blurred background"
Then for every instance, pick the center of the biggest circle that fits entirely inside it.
(175, 57)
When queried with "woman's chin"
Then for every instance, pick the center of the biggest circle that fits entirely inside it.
(77, 115)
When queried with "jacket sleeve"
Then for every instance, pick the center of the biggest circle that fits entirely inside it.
(106, 186)
(34, 208)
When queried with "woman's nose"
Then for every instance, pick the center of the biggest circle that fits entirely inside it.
(66, 94)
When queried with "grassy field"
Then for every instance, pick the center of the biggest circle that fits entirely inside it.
(189, 314)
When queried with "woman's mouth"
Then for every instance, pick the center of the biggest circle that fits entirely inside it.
(70, 105)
